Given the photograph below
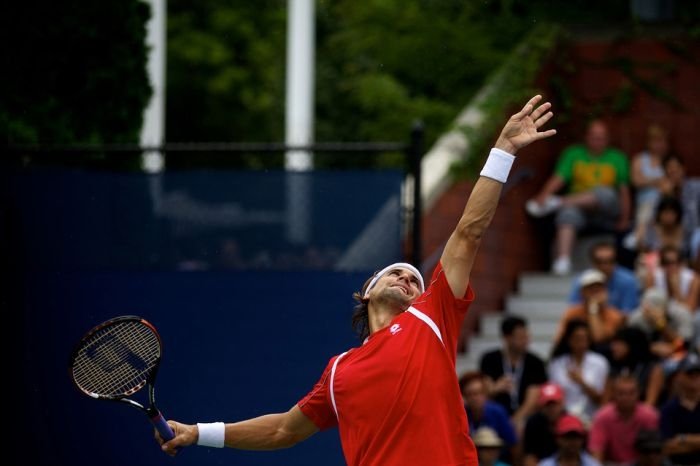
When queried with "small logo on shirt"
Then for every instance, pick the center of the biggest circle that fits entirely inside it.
(394, 329)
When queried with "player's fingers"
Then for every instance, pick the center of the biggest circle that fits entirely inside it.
(540, 110)
(543, 119)
(528, 107)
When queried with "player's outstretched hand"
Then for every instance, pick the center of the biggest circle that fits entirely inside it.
(523, 127)
(185, 435)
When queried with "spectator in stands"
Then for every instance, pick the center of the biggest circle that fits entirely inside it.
(685, 189)
(647, 176)
(539, 437)
(482, 412)
(622, 285)
(615, 425)
(488, 446)
(597, 178)
(578, 370)
(695, 339)
(630, 354)
(681, 283)
(667, 228)
(603, 319)
(680, 417)
(514, 374)
(571, 438)
(668, 326)
(649, 448)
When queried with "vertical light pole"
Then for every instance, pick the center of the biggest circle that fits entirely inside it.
(299, 115)
(153, 129)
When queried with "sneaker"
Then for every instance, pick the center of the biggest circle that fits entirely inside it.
(630, 241)
(550, 204)
(561, 266)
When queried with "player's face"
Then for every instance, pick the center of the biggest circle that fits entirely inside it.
(397, 285)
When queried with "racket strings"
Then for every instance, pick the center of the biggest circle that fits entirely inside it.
(117, 359)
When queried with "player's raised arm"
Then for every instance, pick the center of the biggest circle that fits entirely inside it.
(521, 129)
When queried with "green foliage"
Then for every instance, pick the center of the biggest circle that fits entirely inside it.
(510, 85)
(75, 71)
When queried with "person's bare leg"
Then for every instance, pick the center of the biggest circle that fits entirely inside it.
(566, 235)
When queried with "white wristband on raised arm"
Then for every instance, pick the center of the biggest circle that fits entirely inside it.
(211, 434)
(498, 165)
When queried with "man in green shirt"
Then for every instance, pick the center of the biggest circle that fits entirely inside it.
(597, 180)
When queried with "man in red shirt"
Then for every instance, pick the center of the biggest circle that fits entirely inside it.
(395, 399)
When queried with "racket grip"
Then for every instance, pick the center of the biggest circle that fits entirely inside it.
(162, 427)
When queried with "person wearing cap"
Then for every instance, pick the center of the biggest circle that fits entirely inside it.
(488, 446)
(616, 424)
(621, 282)
(539, 437)
(571, 438)
(603, 319)
(680, 416)
(395, 399)
(668, 327)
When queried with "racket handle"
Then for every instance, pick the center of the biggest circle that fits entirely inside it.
(161, 426)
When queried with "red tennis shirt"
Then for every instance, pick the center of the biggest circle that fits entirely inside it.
(396, 398)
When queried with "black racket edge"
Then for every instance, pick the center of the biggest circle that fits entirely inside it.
(98, 327)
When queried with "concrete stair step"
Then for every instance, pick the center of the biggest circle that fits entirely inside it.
(544, 285)
(469, 361)
(536, 308)
(491, 326)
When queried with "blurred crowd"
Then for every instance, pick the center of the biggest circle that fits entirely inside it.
(622, 383)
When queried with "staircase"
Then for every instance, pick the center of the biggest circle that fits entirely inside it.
(541, 300)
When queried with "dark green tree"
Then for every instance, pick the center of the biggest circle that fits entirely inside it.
(75, 71)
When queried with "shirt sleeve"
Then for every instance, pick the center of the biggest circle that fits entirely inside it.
(316, 405)
(565, 164)
(439, 303)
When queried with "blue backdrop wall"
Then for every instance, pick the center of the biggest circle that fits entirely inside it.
(236, 345)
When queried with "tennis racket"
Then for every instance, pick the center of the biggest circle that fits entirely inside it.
(118, 358)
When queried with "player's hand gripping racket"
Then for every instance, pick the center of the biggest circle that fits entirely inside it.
(118, 358)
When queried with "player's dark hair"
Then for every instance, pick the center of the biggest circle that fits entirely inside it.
(511, 323)
(360, 313)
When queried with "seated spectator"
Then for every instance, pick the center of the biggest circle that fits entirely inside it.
(482, 412)
(578, 370)
(649, 448)
(682, 284)
(488, 446)
(666, 230)
(647, 174)
(603, 319)
(597, 178)
(514, 374)
(571, 438)
(615, 425)
(683, 188)
(539, 437)
(621, 283)
(666, 325)
(680, 417)
(630, 353)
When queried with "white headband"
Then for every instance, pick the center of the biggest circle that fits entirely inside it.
(403, 265)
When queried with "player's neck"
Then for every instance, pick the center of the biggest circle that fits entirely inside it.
(380, 316)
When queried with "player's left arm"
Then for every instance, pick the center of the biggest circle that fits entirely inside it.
(460, 251)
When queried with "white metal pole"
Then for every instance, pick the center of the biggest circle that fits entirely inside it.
(299, 114)
(153, 129)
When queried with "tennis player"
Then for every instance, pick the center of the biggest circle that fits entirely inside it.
(395, 399)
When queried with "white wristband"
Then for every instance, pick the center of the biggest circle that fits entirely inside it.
(211, 434)
(498, 165)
